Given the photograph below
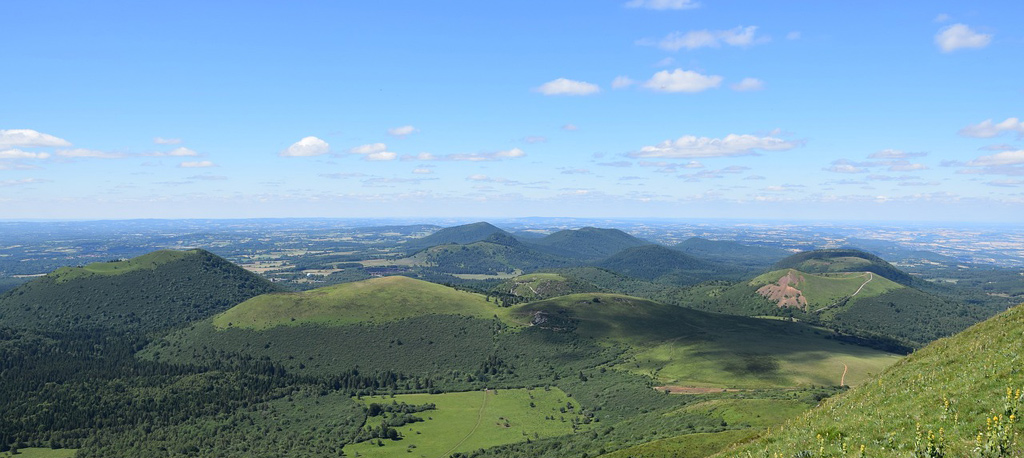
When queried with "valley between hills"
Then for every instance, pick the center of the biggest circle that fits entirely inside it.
(474, 341)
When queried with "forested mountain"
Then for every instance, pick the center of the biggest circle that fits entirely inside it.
(159, 290)
(498, 253)
(729, 252)
(588, 243)
(665, 265)
(459, 235)
(958, 397)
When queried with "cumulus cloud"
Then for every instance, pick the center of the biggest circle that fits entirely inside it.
(196, 164)
(844, 166)
(960, 36)
(28, 138)
(402, 132)
(748, 84)
(999, 159)
(308, 146)
(381, 156)
(422, 171)
(369, 149)
(166, 141)
(87, 153)
(695, 39)
(562, 86)
(682, 81)
(690, 146)
(176, 152)
(621, 82)
(989, 129)
(15, 153)
(663, 4)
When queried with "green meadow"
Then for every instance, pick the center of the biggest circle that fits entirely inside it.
(467, 421)
(147, 261)
(41, 453)
(822, 290)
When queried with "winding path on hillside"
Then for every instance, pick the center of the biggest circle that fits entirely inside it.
(842, 380)
(479, 419)
(871, 276)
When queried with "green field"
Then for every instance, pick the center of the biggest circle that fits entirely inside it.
(823, 290)
(377, 300)
(41, 453)
(147, 261)
(683, 347)
(468, 421)
(697, 445)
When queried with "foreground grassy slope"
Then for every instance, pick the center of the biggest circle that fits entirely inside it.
(958, 385)
(377, 300)
(679, 346)
(154, 291)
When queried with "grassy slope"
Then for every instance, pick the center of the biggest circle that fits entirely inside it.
(679, 346)
(822, 290)
(148, 261)
(538, 286)
(41, 453)
(971, 370)
(376, 300)
(472, 420)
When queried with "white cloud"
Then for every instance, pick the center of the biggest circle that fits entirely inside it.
(422, 171)
(181, 152)
(403, 131)
(562, 86)
(15, 153)
(309, 146)
(535, 139)
(682, 81)
(466, 157)
(22, 181)
(28, 138)
(960, 36)
(794, 35)
(570, 127)
(748, 84)
(695, 39)
(732, 145)
(369, 149)
(622, 81)
(381, 156)
(999, 159)
(663, 4)
(196, 164)
(895, 154)
(694, 165)
(942, 18)
(904, 166)
(989, 129)
(87, 153)
(841, 166)
(166, 141)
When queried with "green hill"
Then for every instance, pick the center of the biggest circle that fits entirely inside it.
(843, 260)
(538, 286)
(155, 291)
(862, 303)
(665, 265)
(689, 348)
(459, 235)
(499, 253)
(376, 300)
(959, 396)
(729, 252)
(588, 243)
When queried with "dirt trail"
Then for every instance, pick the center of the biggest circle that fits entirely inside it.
(842, 380)
(479, 419)
(871, 276)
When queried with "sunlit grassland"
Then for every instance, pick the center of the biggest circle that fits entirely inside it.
(377, 300)
(41, 453)
(147, 261)
(678, 346)
(955, 388)
(468, 421)
(822, 290)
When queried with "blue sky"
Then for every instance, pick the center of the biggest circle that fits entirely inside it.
(633, 108)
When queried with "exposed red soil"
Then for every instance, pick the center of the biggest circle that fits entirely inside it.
(785, 292)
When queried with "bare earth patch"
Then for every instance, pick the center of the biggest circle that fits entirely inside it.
(785, 292)
(673, 389)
